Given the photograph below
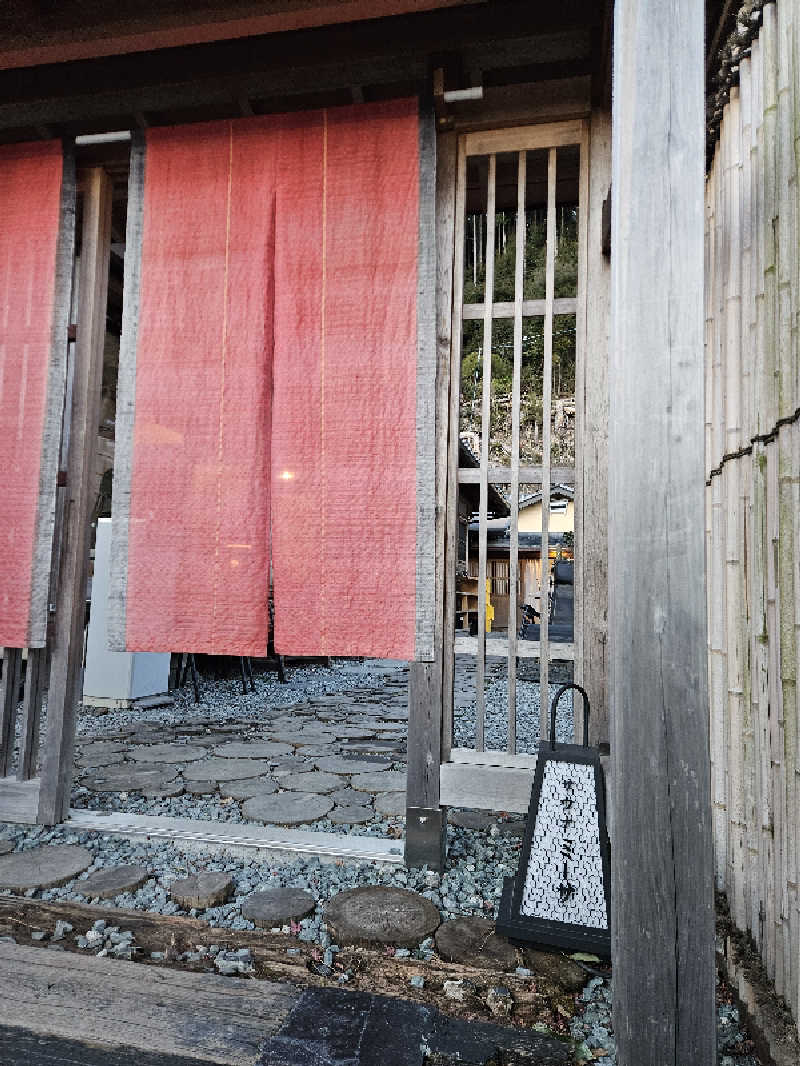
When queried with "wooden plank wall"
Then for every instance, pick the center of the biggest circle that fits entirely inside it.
(753, 495)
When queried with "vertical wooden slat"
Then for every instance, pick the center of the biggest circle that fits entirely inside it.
(9, 698)
(31, 714)
(662, 868)
(67, 648)
(513, 561)
(547, 387)
(591, 525)
(579, 590)
(486, 412)
(451, 546)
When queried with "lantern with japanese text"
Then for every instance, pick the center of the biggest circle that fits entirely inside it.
(559, 896)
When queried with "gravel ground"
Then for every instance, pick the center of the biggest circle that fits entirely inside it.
(470, 887)
(592, 1028)
(496, 721)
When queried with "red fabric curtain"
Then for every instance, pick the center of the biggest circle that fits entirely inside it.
(275, 388)
(344, 423)
(30, 192)
(198, 550)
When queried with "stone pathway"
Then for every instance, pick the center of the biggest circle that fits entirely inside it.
(334, 758)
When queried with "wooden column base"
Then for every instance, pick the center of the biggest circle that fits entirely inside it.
(426, 837)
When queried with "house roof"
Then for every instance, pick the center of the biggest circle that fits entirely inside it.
(557, 492)
(497, 505)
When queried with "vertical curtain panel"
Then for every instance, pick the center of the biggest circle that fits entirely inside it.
(37, 216)
(275, 403)
(190, 556)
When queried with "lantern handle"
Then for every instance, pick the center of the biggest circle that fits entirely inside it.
(554, 704)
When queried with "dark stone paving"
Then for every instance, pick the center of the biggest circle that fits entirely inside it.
(201, 890)
(333, 1027)
(113, 881)
(18, 1047)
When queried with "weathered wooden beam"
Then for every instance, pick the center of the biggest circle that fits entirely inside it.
(70, 604)
(425, 824)
(662, 887)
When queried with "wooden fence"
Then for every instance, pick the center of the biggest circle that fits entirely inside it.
(753, 495)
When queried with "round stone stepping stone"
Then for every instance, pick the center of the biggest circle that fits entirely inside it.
(173, 753)
(45, 867)
(340, 764)
(225, 770)
(201, 788)
(175, 788)
(383, 781)
(562, 971)
(391, 803)
(130, 777)
(5, 847)
(355, 814)
(378, 914)
(257, 749)
(314, 781)
(253, 786)
(277, 906)
(90, 761)
(358, 732)
(291, 764)
(113, 881)
(479, 820)
(287, 808)
(473, 942)
(378, 746)
(204, 889)
(348, 797)
(100, 747)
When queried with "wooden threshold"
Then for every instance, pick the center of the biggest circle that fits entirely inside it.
(282, 844)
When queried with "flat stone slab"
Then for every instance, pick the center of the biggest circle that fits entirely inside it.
(479, 820)
(45, 867)
(109, 758)
(391, 803)
(172, 753)
(277, 906)
(473, 942)
(348, 797)
(314, 781)
(355, 814)
(204, 889)
(383, 781)
(340, 764)
(113, 881)
(225, 770)
(201, 788)
(174, 788)
(256, 749)
(100, 747)
(253, 786)
(378, 914)
(6, 847)
(287, 808)
(130, 777)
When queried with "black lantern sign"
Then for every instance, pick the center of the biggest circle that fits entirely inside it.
(560, 893)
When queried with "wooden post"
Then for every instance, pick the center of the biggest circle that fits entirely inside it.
(662, 884)
(425, 820)
(67, 649)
